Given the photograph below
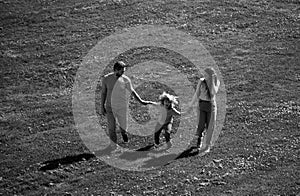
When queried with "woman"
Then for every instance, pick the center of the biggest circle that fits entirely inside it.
(205, 94)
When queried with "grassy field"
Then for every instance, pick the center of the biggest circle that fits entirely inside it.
(254, 43)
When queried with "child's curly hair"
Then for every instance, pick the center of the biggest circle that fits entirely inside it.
(167, 96)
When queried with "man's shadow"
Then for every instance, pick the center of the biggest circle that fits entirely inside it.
(54, 164)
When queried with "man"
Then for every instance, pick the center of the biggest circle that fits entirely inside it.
(116, 89)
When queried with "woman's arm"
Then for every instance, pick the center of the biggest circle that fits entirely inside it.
(214, 86)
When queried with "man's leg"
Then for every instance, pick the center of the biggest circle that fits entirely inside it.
(111, 123)
(168, 130)
(158, 129)
(124, 135)
(122, 119)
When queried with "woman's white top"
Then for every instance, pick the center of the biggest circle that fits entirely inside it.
(202, 91)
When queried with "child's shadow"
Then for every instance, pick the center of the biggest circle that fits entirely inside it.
(139, 153)
(129, 155)
(145, 148)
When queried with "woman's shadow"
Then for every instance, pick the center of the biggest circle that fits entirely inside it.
(192, 151)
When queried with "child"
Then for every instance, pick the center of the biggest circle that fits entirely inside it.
(167, 111)
(205, 94)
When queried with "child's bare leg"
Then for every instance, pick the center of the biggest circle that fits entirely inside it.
(158, 129)
(168, 133)
(167, 136)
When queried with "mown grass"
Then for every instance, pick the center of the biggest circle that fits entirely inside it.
(255, 44)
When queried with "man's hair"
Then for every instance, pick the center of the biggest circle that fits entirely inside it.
(119, 65)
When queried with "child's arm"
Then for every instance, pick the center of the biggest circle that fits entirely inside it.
(153, 103)
(176, 112)
(182, 113)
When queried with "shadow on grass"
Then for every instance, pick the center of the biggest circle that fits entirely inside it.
(159, 161)
(192, 151)
(54, 164)
(146, 148)
(131, 156)
(166, 159)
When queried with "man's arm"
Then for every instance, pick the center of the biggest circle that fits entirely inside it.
(135, 94)
(103, 96)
